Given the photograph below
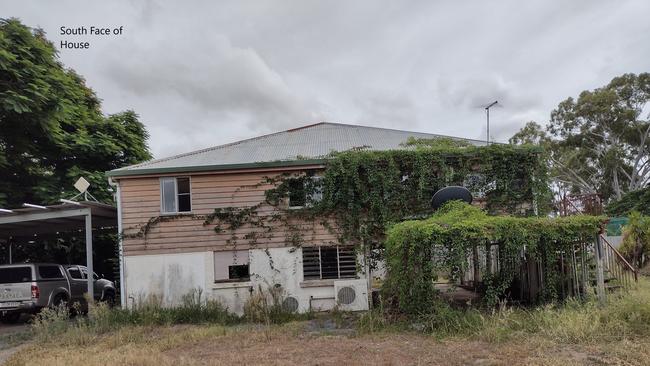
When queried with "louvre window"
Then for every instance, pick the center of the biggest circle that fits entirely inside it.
(175, 195)
(328, 263)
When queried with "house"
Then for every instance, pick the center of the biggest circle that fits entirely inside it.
(171, 248)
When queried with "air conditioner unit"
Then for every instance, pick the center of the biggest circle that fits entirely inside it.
(351, 295)
(290, 304)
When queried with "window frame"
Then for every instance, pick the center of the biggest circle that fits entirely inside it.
(176, 194)
(338, 264)
(40, 274)
(309, 198)
(75, 268)
(228, 265)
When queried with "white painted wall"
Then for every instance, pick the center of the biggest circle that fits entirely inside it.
(166, 277)
(170, 276)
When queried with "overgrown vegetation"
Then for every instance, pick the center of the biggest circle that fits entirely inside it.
(626, 316)
(417, 249)
(361, 192)
(636, 240)
(567, 333)
(264, 307)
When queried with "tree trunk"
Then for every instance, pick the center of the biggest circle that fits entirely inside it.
(617, 187)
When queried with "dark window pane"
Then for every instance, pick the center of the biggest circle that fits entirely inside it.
(16, 274)
(183, 185)
(238, 272)
(310, 263)
(74, 273)
(184, 204)
(297, 194)
(50, 272)
(329, 262)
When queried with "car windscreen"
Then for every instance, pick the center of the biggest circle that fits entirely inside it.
(15, 274)
(50, 272)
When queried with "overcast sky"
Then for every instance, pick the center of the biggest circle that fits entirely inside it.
(203, 73)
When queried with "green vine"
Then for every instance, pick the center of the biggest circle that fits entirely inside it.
(453, 232)
(360, 193)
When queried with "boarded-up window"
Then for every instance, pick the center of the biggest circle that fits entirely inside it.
(232, 265)
(328, 263)
(175, 195)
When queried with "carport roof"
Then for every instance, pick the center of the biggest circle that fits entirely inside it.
(57, 218)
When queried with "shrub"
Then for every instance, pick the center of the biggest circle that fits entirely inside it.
(266, 306)
(626, 316)
(636, 239)
(52, 322)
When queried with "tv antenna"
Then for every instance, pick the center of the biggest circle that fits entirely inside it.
(487, 115)
(82, 186)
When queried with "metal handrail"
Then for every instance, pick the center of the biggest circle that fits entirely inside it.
(620, 257)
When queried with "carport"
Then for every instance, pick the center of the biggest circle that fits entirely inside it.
(33, 220)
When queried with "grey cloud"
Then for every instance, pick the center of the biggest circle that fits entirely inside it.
(203, 73)
(214, 76)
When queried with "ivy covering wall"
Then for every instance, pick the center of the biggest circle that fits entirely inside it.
(365, 191)
(361, 192)
(417, 249)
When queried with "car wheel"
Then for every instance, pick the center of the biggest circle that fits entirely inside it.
(10, 318)
(109, 299)
(59, 300)
(62, 300)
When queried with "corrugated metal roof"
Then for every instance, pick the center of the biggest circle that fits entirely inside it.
(308, 142)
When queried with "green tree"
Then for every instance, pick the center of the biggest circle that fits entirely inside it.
(52, 130)
(636, 239)
(599, 142)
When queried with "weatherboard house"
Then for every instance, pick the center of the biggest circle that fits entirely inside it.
(169, 249)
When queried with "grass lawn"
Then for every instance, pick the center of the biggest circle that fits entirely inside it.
(570, 334)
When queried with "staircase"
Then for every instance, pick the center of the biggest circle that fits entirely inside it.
(618, 272)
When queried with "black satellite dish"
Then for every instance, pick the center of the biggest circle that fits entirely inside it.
(449, 194)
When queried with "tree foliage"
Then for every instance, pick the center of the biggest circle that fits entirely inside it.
(52, 130)
(638, 200)
(636, 239)
(599, 143)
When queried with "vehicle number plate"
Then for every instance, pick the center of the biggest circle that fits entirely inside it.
(9, 304)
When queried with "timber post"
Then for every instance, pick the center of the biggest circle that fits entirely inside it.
(600, 275)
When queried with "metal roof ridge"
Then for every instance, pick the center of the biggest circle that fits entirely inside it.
(234, 143)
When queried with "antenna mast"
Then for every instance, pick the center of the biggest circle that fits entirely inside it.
(487, 113)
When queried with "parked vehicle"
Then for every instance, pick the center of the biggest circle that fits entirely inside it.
(29, 287)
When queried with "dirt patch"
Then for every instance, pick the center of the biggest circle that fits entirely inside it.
(387, 349)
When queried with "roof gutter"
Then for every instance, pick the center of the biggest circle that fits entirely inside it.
(210, 168)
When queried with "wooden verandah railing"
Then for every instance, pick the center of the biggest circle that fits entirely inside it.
(590, 264)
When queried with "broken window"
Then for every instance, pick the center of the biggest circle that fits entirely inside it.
(297, 193)
(232, 265)
(304, 191)
(175, 195)
(328, 263)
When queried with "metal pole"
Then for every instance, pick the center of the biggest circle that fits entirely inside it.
(600, 276)
(89, 256)
(488, 125)
(487, 111)
(123, 297)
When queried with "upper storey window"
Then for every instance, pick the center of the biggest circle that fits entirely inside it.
(175, 195)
